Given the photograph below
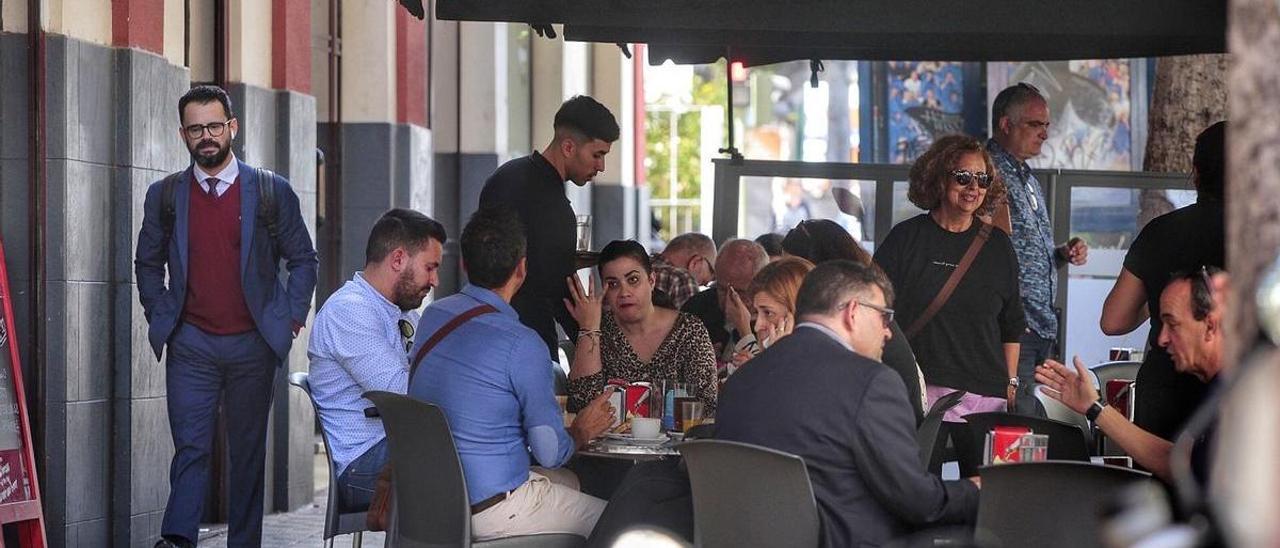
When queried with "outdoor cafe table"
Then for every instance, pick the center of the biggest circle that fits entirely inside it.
(623, 450)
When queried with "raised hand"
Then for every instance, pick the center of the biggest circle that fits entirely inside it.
(735, 310)
(583, 306)
(1073, 388)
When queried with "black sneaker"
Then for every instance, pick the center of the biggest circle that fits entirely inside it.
(172, 541)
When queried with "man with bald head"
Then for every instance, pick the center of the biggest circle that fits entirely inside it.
(737, 262)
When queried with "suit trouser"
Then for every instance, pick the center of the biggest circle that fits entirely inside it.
(203, 371)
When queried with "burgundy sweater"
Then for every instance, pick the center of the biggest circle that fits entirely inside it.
(215, 298)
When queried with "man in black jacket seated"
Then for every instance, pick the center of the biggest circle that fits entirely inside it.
(821, 394)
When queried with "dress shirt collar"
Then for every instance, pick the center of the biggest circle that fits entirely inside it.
(487, 296)
(227, 176)
(828, 332)
(1000, 155)
(375, 295)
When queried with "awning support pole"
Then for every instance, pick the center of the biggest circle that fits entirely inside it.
(732, 149)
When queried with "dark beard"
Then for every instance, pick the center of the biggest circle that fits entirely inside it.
(208, 162)
(406, 293)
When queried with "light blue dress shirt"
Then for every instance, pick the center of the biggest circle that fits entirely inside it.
(493, 379)
(356, 347)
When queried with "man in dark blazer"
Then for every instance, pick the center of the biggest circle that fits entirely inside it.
(821, 394)
(227, 315)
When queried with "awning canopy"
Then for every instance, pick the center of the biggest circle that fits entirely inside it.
(761, 32)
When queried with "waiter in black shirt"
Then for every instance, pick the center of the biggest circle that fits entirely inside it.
(533, 185)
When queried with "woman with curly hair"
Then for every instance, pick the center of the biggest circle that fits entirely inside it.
(967, 340)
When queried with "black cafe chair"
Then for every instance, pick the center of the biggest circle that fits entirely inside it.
(927, 432)
(427, 482)
(1049, 504)
(338, 518)
(747, 495)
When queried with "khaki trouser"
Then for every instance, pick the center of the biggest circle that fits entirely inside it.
(549, 502)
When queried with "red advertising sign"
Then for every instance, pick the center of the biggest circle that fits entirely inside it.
(19, 491)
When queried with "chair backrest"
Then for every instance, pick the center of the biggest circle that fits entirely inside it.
(927, 432)
(337, 521)
(1066, 441)
(746, 495)
(1059, 412)
(426, 473)
(1047, 504)
(1107, 371)
(701, 432)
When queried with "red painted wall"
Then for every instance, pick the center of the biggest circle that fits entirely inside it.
(138, 24)
(291, 45)
(411, 69)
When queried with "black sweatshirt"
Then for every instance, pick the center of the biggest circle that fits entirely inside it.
(961, 347)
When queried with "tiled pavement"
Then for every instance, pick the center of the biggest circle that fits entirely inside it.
(300, 528)
(297, 529)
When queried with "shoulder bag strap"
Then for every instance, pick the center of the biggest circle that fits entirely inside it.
(444, 331)
(956, 275)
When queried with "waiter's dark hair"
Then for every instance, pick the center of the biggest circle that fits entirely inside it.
(401, 227)
(202, 95)
(585, 119)
(1210, 162)
(834, 283)
(493, 243)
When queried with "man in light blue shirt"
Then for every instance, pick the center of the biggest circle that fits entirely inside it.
(492, 378)
(361, 340)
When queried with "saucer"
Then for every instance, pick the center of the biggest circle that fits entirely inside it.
(628, 438)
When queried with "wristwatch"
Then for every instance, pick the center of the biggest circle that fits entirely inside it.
(1014, 382)
(1094, 410)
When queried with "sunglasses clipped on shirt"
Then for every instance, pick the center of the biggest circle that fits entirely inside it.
(964, 177)
(406, 333)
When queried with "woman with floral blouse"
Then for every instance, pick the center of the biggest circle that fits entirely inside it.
(638, 341)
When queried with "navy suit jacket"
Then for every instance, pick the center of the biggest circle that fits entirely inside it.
(274, 302)
(848, 417)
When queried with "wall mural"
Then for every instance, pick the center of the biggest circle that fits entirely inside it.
(1089, 108)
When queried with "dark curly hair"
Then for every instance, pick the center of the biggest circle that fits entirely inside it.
(931, 174)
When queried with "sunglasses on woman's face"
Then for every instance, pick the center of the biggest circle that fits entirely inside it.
(964, 177)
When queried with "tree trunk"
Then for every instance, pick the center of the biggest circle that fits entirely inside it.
(1246, 481)
(1189, 96)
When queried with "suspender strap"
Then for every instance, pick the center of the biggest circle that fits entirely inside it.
(953, 281)
(444, 331)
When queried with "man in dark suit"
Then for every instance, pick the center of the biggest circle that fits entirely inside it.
(821, 394)
(227, 316)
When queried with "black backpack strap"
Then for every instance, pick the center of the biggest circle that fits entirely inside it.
(168, 201)
(267, 210)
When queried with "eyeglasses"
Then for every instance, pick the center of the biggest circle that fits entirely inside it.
(710, 267)
(1207, 280)
(406, 333)
(215, 129)
(964, 177)
(886, 314)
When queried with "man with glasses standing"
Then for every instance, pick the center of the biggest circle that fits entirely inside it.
(219, 230)
(361, 342)
(1019, 128)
